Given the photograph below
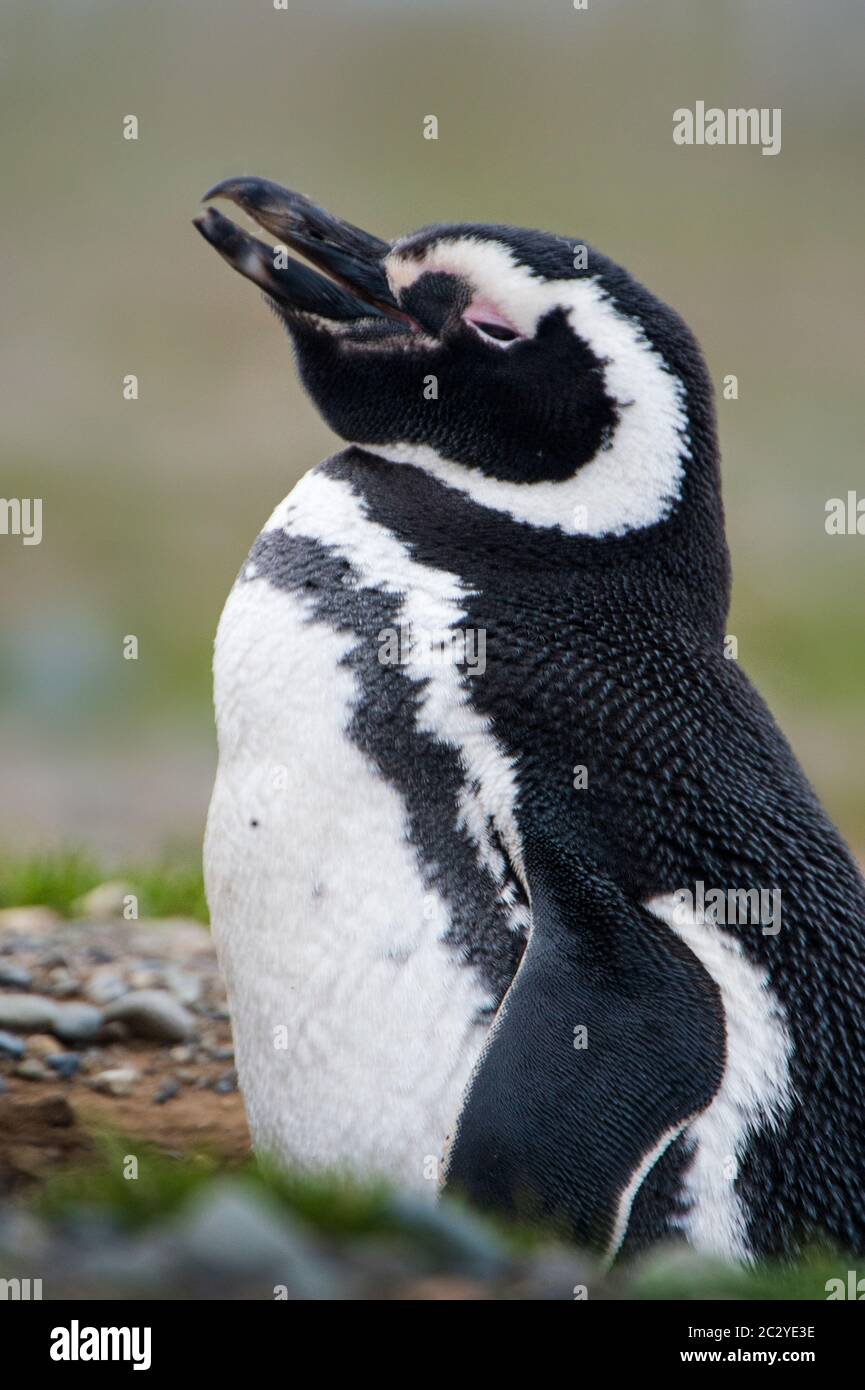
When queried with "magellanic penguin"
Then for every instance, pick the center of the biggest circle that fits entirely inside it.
(461, 903)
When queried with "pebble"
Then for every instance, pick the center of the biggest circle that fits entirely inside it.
(105, 901)
(470, 1247)
(555, 1274)
(154, 1014)
(105, 985)
(23, 1232)
(183, 984)
(15, 977)
(127, 1269)
(182, 1054)
(42, 1045)
(62, 983)
(28, 919)
(33, 1013)
(100, 956)
(226, 1084)
(228, 1232)
(76, 1022)
(32, 1070)
(167, 1091)
(143, 979)
(52, 957)
(187, 1077)
(117, 1081)
(115, 1031)
(10, 1046)
(27, 1013)
(65, 1064)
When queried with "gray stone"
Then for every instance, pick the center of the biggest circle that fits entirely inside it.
(457, 1237)
(231, 1233)
(183, 984)
(53, 956)
(27, 1013)
(92, 1059)
(557, 1274)
(62, 983)
(117, 1081)
(154, 1014)
(22, 1234)
(76, 1022)
(10, 1046)
(105, 985)
(135, 1268)
(167, 1091)
(15, 977)
(32, 1070)
(112, 1032)
(100, 955)
(65, 1064)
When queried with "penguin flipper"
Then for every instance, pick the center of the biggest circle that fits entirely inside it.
(609, 1040)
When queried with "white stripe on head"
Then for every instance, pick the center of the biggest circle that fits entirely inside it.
(634, 482)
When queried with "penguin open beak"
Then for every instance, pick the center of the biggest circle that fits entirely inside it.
(355, 285)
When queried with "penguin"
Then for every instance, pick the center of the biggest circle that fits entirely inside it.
(495, 815)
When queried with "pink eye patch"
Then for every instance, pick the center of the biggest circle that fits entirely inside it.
(486, 319)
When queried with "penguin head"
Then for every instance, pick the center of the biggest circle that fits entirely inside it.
(524, 368)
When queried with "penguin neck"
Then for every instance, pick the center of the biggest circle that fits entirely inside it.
(680, 559)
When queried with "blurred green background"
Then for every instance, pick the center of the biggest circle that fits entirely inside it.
(547, 117)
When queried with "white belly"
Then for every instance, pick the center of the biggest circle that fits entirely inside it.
(356, 1023)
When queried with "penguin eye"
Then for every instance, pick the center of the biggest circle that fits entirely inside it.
(484, 316)
(492, 331)
(498, 331)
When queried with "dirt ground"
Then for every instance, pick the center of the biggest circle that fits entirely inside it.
(53, 1126)
(182, 1097)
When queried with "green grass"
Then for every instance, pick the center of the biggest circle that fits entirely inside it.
(161, 1187)
(663, 1277)
(332, 1205)
(343, 1213)
(172, 888)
